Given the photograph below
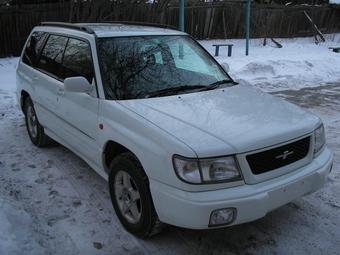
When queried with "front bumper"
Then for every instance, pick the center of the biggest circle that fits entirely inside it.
(193, 209)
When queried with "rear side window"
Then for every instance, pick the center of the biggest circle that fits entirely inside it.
(33, 47)
(52, 55)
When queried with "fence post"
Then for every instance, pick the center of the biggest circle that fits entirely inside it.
(181, 15)
(247, 27)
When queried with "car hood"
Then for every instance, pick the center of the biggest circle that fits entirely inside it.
(226, 121)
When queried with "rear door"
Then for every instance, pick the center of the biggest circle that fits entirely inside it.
(45, 79)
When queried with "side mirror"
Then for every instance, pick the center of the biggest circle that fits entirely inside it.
(225, 66)
(77, 84)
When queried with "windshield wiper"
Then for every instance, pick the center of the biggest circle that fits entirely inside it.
(215, 85)
(173, 91)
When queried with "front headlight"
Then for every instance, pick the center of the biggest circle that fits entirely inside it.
(319, 139)
(210, 170)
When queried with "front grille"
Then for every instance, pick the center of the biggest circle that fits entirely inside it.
(269, 160)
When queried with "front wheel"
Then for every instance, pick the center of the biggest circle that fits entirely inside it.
(34, 129)
(131, 198)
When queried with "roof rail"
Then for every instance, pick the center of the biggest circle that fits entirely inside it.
(68, 25)
(142, 24)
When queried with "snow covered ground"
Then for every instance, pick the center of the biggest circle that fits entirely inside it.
(51, 202)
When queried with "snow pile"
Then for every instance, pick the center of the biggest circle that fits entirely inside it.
(299, 63)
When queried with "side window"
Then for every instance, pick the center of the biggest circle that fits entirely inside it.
(33, 47)
(52, 54)
(77, 60)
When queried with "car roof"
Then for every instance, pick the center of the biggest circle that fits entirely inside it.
(118, 29)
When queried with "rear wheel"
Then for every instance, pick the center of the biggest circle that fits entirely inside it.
(131, 198)
(34, 129)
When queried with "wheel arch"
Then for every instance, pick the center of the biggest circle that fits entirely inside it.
(23, 95)
(112, 149)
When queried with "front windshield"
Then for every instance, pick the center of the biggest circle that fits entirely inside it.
(137, 67)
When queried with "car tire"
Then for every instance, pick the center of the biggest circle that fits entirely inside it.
(34, 129)
(131, 197)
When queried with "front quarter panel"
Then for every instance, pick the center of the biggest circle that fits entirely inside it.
(153, 146)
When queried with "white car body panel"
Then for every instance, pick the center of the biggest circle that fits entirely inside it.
(226, 121)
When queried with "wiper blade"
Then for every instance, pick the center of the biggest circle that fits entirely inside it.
(217, 84)
(173, 91)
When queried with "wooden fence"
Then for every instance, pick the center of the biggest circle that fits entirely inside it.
(227, 20)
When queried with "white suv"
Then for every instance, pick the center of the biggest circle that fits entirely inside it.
(177, 139)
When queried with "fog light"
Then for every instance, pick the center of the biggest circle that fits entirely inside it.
(222, 217)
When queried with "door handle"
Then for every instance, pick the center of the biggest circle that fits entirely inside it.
(61, 92)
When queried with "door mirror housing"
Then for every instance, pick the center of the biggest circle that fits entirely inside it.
(77, 84)
(225, 66)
